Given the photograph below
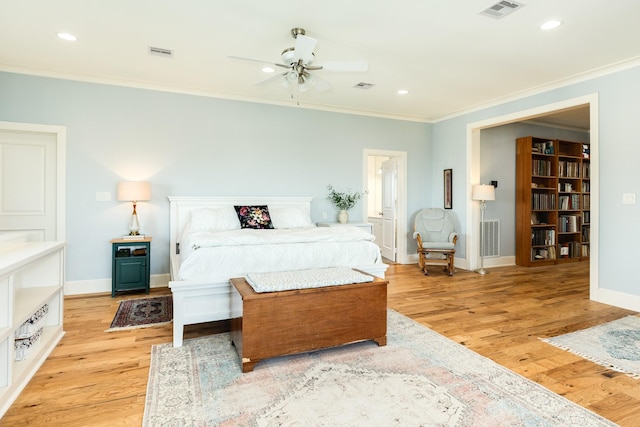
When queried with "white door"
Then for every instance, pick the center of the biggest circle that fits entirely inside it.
(30, 178)
(389, 203)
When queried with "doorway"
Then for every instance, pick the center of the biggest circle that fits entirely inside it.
(473, 175)
(392, 234)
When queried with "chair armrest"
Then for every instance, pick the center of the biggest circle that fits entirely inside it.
(418, 237)
(453, 238)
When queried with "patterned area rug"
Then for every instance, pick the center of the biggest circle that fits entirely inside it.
(614, 345)
(142, 313)
(420, 378)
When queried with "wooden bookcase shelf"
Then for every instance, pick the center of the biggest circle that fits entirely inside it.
(552, 201)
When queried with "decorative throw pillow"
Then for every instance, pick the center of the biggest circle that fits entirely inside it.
(254, 216)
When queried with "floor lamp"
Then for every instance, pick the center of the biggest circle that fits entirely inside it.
(482, 193)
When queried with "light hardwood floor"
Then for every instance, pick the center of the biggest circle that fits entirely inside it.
(94, 378)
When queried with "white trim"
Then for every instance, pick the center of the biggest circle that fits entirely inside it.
(561, 83)
(581, 77)
(402, 231)
(619, 299)
(473, 175)
(200, 92)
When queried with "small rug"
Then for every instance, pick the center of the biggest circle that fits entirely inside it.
(614, 345)
(420, 378)
(142, 313)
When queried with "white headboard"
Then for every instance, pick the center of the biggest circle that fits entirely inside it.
(181, 207)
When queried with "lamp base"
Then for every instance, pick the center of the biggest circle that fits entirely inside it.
(482, 271)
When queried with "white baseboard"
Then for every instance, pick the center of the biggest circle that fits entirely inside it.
(100, 286)
(618, 299)
(463, 263)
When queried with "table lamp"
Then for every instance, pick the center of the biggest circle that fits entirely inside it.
(134, 191)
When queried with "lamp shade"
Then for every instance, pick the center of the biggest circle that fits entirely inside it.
(134, 191)
(483, 192)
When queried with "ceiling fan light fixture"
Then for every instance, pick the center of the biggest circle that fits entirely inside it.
(287, 56)
(291, 77)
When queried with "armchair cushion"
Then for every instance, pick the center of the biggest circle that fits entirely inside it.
(434, 225)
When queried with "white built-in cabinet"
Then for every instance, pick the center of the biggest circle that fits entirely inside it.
(31, 275)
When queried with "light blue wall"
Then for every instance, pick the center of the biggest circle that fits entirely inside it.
(619, 104)
(191, 145)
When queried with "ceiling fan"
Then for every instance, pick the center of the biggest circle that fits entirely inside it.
(298, 62)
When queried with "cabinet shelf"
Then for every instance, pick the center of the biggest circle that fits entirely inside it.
(31, 299)
(31, 275)
(552, 201)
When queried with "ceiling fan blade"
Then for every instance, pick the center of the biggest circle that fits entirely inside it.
(321, 85)
(271, 79)
(259, 60)
(345, 66)
(304, 48)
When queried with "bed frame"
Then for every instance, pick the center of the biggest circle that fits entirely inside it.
(197, 301)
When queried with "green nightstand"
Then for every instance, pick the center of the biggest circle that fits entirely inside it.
(131, 262)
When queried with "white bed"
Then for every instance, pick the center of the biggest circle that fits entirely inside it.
(204, 294)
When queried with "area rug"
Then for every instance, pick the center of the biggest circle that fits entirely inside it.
(420, 378)
(142, 313)
(614, 345)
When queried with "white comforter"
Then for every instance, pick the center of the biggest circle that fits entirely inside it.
(223, 255)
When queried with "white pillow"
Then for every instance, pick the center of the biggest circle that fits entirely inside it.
(291, 217)
(214, 219)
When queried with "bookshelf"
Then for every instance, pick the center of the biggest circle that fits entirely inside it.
(552, 201)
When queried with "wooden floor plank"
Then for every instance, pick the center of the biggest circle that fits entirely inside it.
(98, 378)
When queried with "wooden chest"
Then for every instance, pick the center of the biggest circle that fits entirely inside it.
(279, 323)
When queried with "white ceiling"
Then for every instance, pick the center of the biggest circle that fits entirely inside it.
(445, 53)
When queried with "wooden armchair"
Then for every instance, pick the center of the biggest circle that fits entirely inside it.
(433, 230)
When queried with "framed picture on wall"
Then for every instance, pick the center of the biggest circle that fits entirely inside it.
(448, 197)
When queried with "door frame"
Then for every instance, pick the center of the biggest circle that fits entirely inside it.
(60, 133)
(401, 230)
(473, 176)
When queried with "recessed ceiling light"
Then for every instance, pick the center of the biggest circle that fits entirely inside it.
(403, 92)
(268, 70)
(550, 25)
(68, 37)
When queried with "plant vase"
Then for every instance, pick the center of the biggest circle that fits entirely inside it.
(343, 216)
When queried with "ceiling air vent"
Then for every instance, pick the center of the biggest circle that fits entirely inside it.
(501, 9)
(167, 53)
(363, 85)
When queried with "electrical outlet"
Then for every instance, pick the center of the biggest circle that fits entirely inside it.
(324, 215)
(103, 196)
(629, 199)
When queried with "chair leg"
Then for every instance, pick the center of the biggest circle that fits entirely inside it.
(450, 264)
(422, 262)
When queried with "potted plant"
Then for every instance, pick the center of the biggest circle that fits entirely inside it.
(344, 202)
